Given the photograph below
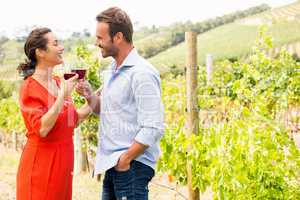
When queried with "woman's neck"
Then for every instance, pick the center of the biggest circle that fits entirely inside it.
(43, 73)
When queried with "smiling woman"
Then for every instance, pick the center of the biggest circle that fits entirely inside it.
(46, 165)
(37, 40)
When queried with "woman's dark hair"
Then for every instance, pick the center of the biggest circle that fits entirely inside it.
(118, 21)
(35, 40)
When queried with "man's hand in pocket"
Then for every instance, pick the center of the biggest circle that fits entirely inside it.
(123, 163)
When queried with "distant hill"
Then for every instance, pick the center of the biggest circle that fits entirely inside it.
(164, 47)
(163, 38)
(236, 39)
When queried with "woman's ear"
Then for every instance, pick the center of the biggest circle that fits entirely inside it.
(39, 53)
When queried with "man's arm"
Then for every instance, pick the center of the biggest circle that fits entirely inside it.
(147, 94)
(94, 101)
(93, 98)
(133, 152)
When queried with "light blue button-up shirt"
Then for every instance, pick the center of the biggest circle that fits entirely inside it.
(131, 110)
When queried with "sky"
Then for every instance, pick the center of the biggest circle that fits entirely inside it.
(66, 16)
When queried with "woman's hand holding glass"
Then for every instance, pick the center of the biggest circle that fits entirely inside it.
(68, 86)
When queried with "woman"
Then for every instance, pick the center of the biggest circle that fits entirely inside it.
(46, 165)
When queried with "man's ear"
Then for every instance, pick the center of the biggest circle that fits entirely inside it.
(119, 37)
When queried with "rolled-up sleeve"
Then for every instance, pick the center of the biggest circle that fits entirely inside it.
(150, 113)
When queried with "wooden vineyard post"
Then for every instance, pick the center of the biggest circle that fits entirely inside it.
(209, 68)
(192, 103)
(15, 140)
(80, 156)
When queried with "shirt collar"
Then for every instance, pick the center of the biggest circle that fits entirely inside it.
(128, 62)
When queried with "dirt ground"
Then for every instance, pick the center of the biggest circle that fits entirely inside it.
(84, 187)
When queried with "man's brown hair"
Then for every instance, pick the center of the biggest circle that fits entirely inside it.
(118, 21)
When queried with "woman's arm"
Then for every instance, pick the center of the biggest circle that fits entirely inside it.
(48, 120)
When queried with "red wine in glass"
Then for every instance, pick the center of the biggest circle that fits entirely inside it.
(69, 75)
(81, 73)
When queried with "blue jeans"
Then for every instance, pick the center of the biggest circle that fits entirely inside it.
(129, 185)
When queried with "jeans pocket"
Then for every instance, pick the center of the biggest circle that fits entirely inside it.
(144, 170)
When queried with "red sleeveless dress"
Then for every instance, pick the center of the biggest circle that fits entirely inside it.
(46, 165)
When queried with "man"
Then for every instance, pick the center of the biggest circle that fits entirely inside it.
(130, 110)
